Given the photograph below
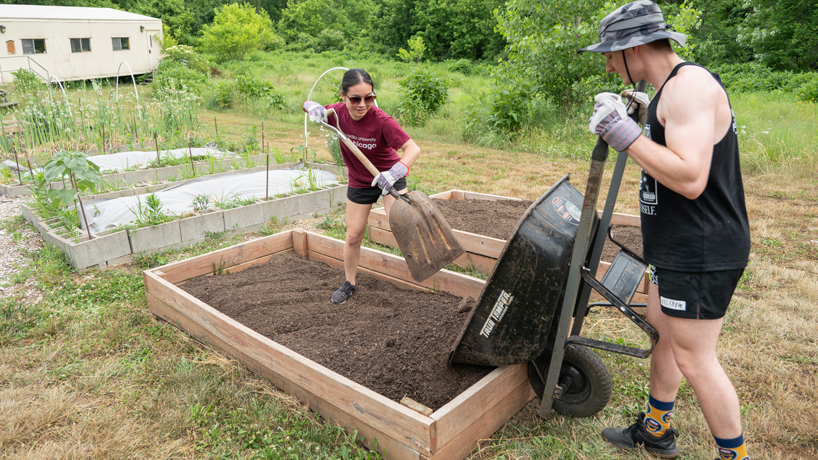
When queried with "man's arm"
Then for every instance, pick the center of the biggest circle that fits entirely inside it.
(688, 110)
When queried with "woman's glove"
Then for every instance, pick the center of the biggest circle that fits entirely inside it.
(387, 179)
(316, 111)
(611, 121)
(639, 104)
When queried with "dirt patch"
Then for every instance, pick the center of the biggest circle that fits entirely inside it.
(393, 341)
(498, 219)
(627, 236)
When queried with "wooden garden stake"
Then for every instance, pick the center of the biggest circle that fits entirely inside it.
(82, 120)
(156, 141)
(19, 176)
(73, 178)
(190, 155)
(216, 125)
(103, 139)
(31, 171)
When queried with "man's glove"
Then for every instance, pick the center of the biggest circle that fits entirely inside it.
(611, 121)
(639, 104)
(387, 179)
(316, 111)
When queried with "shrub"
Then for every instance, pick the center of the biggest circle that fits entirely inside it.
(422, 93)
(464, 66)
(173, 77)
(221, 96)
(808, 91)
(27, 82)
(237, 29)
(511, 105)
(261, 90)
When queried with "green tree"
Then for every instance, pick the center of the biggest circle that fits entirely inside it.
(459, 28)
(339, 21)
(236, 30)
(782, 34)
(543, 38)
(450, 28)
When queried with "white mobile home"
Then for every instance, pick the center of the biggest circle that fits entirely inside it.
(74, 43)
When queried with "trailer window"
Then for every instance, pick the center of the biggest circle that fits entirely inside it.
(33, 45)
(121, 43)
(80, 45)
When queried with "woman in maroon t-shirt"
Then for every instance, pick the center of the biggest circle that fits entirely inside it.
(379, 137)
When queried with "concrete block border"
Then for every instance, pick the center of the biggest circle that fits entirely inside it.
(116, 247)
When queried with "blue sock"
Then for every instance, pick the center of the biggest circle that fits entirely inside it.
(657, 418)
(732, 449)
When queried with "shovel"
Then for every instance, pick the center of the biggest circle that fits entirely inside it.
(423, 235)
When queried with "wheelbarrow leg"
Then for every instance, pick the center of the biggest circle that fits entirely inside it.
(599, 239)
(582, 242)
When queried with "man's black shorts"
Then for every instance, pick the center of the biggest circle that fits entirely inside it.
(697, 295)
(370, 195)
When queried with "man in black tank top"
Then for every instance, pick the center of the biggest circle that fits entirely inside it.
(695, 229)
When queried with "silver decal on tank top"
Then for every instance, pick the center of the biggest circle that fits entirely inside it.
(648, 195)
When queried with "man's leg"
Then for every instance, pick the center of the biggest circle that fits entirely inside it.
(652, 431)
(665, 376)
(694, 346)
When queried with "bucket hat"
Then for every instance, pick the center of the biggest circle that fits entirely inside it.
(634, 24)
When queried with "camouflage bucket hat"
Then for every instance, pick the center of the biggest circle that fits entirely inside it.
(632, 25)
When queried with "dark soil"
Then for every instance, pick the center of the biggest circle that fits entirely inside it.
(498, 219)
(393, 341)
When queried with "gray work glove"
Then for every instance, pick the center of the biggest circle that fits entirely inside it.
(316, 111)
(638, 106)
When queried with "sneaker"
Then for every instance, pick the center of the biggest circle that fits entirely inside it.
(636, 435)
(342, 294)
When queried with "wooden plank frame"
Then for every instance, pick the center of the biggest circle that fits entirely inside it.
(399, 432)
(483, 251)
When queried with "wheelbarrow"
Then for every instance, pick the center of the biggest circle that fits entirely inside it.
(542, 281)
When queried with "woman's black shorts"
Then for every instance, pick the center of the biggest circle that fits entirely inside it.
(371, 194)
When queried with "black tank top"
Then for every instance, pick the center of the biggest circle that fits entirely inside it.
(708, 233)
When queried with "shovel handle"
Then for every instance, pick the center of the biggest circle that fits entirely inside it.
(365, 161)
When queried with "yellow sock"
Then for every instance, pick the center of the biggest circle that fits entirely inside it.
(732, 449)
(657, 418)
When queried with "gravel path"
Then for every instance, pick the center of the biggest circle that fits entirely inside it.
(13, 247)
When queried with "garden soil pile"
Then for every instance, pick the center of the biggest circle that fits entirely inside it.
(391, 340)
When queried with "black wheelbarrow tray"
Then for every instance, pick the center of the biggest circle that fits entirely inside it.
(542, 280)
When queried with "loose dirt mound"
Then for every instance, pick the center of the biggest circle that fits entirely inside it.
(393, 341)
(498, 219)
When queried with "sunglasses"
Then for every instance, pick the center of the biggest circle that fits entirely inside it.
(357, 99)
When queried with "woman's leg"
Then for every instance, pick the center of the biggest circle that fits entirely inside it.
(356, 216)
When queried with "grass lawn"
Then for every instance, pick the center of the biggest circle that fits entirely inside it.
(87, 372)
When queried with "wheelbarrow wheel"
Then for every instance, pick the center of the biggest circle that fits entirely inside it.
(585, 380)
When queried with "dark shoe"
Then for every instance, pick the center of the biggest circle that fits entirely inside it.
(636, 435)
(342, 294)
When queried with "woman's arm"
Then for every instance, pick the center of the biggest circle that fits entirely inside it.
(411, 152)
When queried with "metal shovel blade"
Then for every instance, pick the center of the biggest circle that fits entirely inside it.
(423, 235)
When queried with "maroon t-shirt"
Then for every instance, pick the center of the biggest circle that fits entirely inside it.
(377, 135)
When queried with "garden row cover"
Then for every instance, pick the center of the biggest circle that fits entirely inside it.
(122, 161)
(106, 214)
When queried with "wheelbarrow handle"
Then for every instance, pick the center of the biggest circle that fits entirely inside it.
(360, 155)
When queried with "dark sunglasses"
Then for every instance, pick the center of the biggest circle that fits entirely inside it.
(357, 99)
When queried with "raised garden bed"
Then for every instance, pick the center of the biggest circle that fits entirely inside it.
(128, 179)
(119, 246)
(451, 432)
(483, 250)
